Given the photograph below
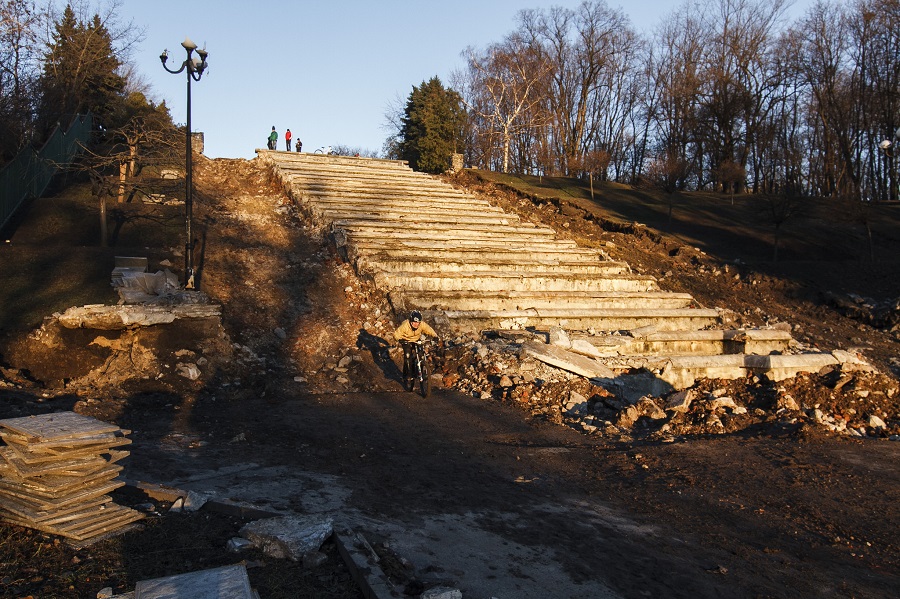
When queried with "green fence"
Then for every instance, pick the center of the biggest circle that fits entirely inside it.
(29, 173)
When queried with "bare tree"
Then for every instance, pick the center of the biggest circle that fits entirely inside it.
(502, 89)
(20, 28)
(777, 209)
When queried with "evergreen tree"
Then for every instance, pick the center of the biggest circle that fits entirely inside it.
(432, 127)
(81, 73)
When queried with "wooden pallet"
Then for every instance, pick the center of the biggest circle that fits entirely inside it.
(56, 471)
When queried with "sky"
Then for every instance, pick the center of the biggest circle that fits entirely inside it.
(327, 70)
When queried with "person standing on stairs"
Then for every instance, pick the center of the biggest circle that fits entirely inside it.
(287, 139)
(273, 139)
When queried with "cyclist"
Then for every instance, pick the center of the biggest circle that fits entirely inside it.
(409, 331)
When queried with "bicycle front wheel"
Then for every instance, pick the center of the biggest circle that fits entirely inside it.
(425, 381)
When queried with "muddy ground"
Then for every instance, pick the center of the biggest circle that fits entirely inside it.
(779, 501)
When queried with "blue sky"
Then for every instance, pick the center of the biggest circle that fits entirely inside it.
(326, 70)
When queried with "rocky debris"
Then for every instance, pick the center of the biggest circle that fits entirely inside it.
(190, 502)
(291, 537)
(626, 404)
(877, 314)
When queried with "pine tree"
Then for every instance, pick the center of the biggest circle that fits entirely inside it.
(432, 127)
(80, 72)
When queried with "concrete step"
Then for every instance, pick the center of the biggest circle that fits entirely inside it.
(583, 319)
(503, 281)
(392, 198)
(485, 262)
(385, 250)
(404, 300)
(689, 342)
(458, 237)
(288, 160)
(373, 183)
(450, 229)
(385, 212)
(682, 371)
(421, 219)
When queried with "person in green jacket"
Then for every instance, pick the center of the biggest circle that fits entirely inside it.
(273, 138)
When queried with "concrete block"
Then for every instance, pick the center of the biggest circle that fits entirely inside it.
(288, 536)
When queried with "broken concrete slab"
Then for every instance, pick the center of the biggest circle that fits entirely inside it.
(567, 360)
(780, 367)
(851, 361)
(364, 568)
(442, 593)
(584, 347)
(288, 536)
(113, 318)
(641, 332)
(682, 371)
(227, 582)
(559, 338)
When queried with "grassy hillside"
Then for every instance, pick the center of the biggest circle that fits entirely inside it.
(825, 241)
(738, 227)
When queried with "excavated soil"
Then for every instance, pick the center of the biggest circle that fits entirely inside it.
(777, 501)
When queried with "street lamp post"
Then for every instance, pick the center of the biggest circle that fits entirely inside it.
(888, 147)
(194, 66)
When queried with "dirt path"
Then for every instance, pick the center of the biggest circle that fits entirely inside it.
(454, 483)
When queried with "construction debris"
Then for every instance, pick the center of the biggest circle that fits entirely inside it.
(227, 582)
(56, 471)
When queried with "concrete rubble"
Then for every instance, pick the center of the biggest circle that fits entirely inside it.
(111, 318)
(548, 381)
(290, 537)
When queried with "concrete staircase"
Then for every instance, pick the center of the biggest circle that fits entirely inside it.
(452, 255)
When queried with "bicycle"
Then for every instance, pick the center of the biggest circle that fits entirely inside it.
(420, 362)
(325, 150)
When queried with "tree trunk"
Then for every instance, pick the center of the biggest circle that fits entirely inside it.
(871, 242)
(123, 173)
(777, 240)
(132, 160)
(103, 230)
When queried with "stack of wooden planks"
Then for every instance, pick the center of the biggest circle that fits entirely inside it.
(56, 471)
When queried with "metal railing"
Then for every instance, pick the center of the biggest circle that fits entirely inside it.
(30, 172)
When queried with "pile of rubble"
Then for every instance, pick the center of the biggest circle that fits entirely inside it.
(884, 315)
(844, 399)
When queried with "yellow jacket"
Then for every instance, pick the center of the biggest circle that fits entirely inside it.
(405, 332)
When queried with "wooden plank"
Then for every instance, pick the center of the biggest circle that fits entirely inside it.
(59, 425)
(29, 457)
(89, 532)
(227, 582)
(54, 476)
(62, 446)
(77, 466)
(114, 517)
(50, 517)
(43, 503)
(55, 483)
